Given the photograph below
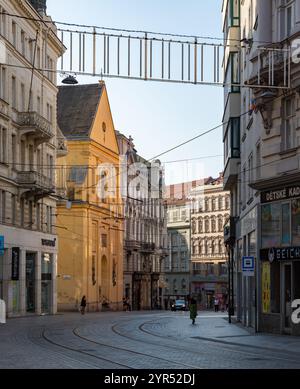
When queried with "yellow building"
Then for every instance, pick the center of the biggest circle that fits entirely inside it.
(90, 226)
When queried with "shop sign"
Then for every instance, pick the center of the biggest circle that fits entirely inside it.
(280, 254)
(15, 263)
(48, 243)
(285, 193)
(266, 293)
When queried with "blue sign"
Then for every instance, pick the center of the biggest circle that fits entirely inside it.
(248, 265)
(1, 245)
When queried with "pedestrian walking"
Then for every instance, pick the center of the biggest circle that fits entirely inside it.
(216, 304)
(83, 305)
(193, 310)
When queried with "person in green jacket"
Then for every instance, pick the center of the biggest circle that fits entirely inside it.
(193, 310)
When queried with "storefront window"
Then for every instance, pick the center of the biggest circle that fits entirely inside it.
(286, 224)
(271, 225)
(46, 286)
(296, 222)
(275, 287)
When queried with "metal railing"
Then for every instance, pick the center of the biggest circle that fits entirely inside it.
(36, 122)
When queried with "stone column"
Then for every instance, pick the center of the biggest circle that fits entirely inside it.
(22, 280)
(38, 284)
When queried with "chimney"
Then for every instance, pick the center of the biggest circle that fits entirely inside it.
(39, 5)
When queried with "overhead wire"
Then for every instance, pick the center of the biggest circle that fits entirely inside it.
(136, 31)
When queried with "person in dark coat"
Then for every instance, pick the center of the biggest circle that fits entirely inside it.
(193, 310)
(83, 305)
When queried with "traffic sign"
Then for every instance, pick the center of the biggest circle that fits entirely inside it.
(248, 266)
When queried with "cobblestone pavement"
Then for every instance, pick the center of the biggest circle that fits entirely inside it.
(149, 340)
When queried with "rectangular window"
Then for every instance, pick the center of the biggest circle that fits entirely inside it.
(23, 46)
(104, 240)
(271, 225)
(232, 16)
(30, 213)
(22, 212)
(13, 209)
(288, 131)
(3, 145)
(232, 140)
(250, 175)
(286, 224)
(14, 150)
(38, 216)
(38, 58)
(3, 22)
(23, 107)
(14, 92)
(38, 105)
(258, 162)
(296, 222)
(14, 33)
(3, 206)
(3, 83)
(244, 185)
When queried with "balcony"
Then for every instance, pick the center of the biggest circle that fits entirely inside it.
(271, 68)
(147, 248)
(163, 251)
(35, 184)
(232, 152)
(4, 109)
(132, 245)
(33, 124)
(231, 173)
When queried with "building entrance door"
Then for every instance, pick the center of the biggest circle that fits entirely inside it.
(286, 297)
(46, 287)
(30, 282)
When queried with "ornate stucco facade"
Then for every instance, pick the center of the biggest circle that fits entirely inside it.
(28, 139)
(145, 236)
(90, 223)
(209, 212)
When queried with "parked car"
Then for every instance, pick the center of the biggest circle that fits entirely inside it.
(179, 305)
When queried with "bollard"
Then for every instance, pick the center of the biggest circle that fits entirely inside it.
(2, 312)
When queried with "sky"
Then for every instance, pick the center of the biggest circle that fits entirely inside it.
(160, 115)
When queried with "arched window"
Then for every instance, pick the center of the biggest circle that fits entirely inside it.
(194, 226)
(206, 224)
(200, 225)
(175, 285)
(206, 204)
(205, 247)
(220, 223)
(214, 203)
(227, 202)
(213, 224)
(194, 248)
(213, 247)
(220, 203)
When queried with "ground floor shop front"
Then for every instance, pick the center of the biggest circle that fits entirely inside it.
(28, 272)
(207, 293)
(144, 290)
(280, 286)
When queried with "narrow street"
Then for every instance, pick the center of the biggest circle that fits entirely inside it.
(147, 340)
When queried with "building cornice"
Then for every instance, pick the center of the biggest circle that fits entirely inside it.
(275, 182)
